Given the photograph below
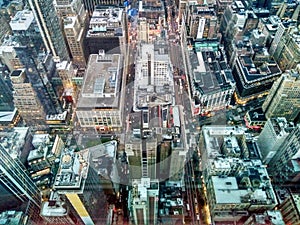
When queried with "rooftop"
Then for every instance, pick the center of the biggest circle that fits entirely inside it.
(275, 217)
(154, 86)
(281, 126)
(39, 153)
(8, 46)
(106, 21)
(226, 190)
(211, 71)
(39, 139)
(13, 140)
(72, 172)
(254, 73)
(102, 80)
(143, 187)
(54, 206)
(251, 185)
(22, 20)
(69, 22)
(64, 65)
(235, 176)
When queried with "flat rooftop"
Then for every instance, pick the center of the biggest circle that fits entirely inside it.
(211, 72)
(72, 171)
(253, 73)
(106, 21)
(37, 154)
(13, 140)
(102, 82)
(251, 184)
(54, 206)
(22, 20)
(226, 190)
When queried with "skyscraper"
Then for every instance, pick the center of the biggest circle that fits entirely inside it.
(275, 132)
(26, 99)
(79, 184)
(284, 166)
(73, 18)
(144, 201)
(283, 99)
(6, 97)
(50, 29)
(26, 32)
(287, 52)
(16, 185)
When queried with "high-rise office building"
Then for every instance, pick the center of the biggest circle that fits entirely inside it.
(73, 19)
(38, 68)
(26, 99)
(74, 35)
(289, 10)
(9, 115)
(275, 132)
(16, 186)
(284, 166)
(236, 183)
(8, 56)
(144, 202)
(254, 73)
(212, 82)
(287, 52)
(6, 98)
(50, 29)
(153, 77)
(143, 30)
(142, 156)
(155, 146)
(65, 8)
(65, 71)
(283, 99)
(290, 208)
(79, 184)
(202, 22)
(4, 29)
(282, 28)
(26, 32)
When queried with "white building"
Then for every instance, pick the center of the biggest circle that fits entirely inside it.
(99, 104)
(153, 78)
